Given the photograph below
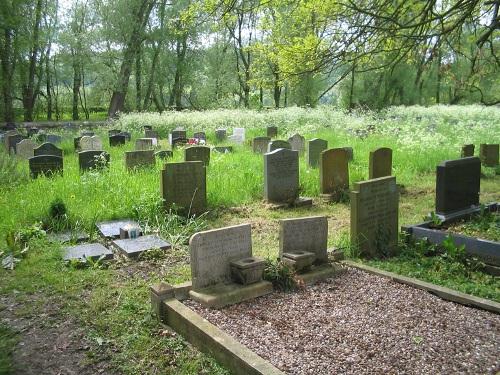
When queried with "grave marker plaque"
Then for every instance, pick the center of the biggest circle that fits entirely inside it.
(139, 159)
(48, 149)
(47, 165)
(314, 148)
(488, 154)
(198, 153)
(334, 172)
(281, 176)
(380, 163)
(259, 144)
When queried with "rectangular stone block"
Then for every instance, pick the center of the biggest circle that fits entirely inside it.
(281, 176)
(314, 148)
(139, 159)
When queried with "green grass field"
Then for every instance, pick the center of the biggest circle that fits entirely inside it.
(113, 304)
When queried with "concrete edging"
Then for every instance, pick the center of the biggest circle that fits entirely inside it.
(212, 340)
(440, 291)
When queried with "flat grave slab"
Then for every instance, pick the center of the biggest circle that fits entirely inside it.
(69, 236)
(133, 247)
(90, 251)
(111, 229)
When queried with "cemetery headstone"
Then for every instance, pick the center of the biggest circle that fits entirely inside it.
(276, 144)
(143, 144)
(12, 141)
(223, 149)
(177, 133)
(467, 150)
(314, 148)
(281, 176)
(139, 159)
(272, 131)
(380, 163)
(93, 143)
(117, 140)
(457, 185)
(163, 154)
(92, 159)
(374, 216)
(488, 154)
(183, 187)
(25, 149)
(87, 133)
(334, 172)
(200, 136)
(151, 134)
(179, 142)
(7, 143)
(53, 138)
(220, 134)
(297, 142)
(48, 149)
(47, 165)
(113, 132)
(198, 153)
(133, 247)
(76, 143)
(259, 144)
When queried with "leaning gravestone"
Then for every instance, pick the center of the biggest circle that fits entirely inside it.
(25, 149)
(183, 187)
(48, 149)
(143, 144)
(45, 165)
(133, 247)
(297, 142)
(139, 159)
(488, 154)
(374, 217)
(198, 153)
(272, 131)
(212, 252)
(305, 234)
(117, 140)
(259, 144)
(220, 134)
(380, 163)
(92, 159)
(467, 151)
(457, 185)
(276, 144)
(334, 173)
(93, 143)
(314, 148)
(281, 176)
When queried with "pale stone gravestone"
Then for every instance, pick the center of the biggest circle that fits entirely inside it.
(151, 134)
(163, 154)
(117, 140)
(213, 250)
(113, 132)
(53, 138)
(46, 165)
(111, 229)
(305, 234)
(334, 172)
(467, 150)
(223, 149)
(259, 144)
(200, 136)
(488, 154)
(48, 149)
(281, 176)
(143, 144)
(276, 144)
(92, 251)
(220, 134)
(272, 131)
(93, 143)
(380, 163)
(139, 159)
(238, 136)
(92, 159)
(374, 217)
(297, 142)
(133, 247)
(314, 148)
(25, 149)
(457, 185)
(198, 153)
(183, 187)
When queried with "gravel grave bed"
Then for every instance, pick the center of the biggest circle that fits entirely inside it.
(363, 324)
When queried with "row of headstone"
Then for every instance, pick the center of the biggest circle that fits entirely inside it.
(488, 153)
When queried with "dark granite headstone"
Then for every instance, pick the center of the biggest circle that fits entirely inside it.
(467, 151)
(489, 155)
(281, 176)
(198, 153)
(276, 144)
(200, 136)
(117, 140)
(113, 132)
(127, 135)
(220, 134)
(177, 142)
(48, 149)
(272, 131)
(45, 164)
(176, 134)
(314, 149)
(92, 159)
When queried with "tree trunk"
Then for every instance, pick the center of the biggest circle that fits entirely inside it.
(277, 91)
(138, 83)
(77, 81)
(181, 48)
(6, 56)
(351, 92)
(49, 85)
(438, 78)
(261, 96)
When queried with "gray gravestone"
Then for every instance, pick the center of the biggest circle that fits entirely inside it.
(11, 141)
(457, 185)
(92, 159)
(53, 138)
(139, 159)
(488, 153)
(48, 149)
(259, 144)
(334, 172)
(25, 149)
(93, 143)
(76, 143)
(281, 176)
(305, 234)
(177, 133)
(111, 229)
(297, 142)
(117, 140)
(380, 163)
(220, 134)
(198, 153)
(113, 132)
(374, 216)
(133, 247)
(46, 165)
(272, 131)
(151, 134)
(467, 151)
(92, 251)
(183, 187)
(144, 144)
(276, 144)
(314, 148)
(213, 250)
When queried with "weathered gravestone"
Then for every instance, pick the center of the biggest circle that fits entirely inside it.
(117, 140)
(308, 234)
(297, 142)
(133, 247)
(25, 149)
(92, 159)
(276, 144)
(183, 187)
(12, 141)
(272, 131)
(488, 153)
(457, 185)
(374, 217)
(46, 165)
(350, 153)
(76, 143)
(139, 159)
(113, 132)
(220, 134)
(151, 134)
(467, 151)
(380, 163)
(281, 176)
(127, 135)
(314, 148)
(7, 143)
(93, 143)
(198, 153)
(92, 251)
(143, 144)
(200, 136)
(177, 133)
(48, 149)
(259, 144)
(53, 138)
(334, 173)
(163, 154)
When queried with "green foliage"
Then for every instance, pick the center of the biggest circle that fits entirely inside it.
(57, 210)
(281, 275)
(88, 263)
(10, 173)
(8, 342)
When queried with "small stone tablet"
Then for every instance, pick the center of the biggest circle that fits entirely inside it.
(91, 250)
(133, 247)
(111, 229)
